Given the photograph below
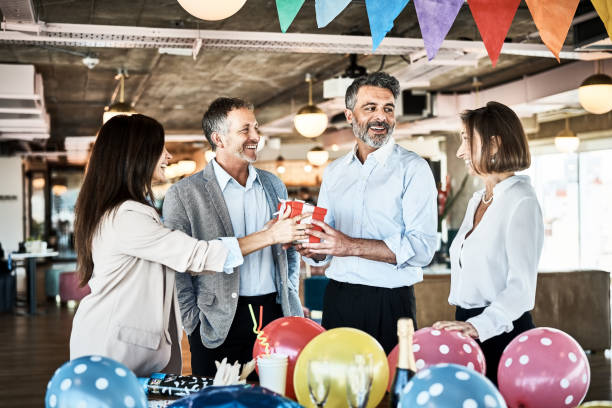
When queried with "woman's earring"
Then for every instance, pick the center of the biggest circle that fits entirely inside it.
(492, 160)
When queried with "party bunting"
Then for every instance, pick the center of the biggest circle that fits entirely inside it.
(327, 10)
(435, 19)
(553, 19)
(604, 9)
(287, 10)
(493, 19)
(381, 15)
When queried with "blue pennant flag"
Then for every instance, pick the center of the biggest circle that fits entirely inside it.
(327, 10)
(381, 15)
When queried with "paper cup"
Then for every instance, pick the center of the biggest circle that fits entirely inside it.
(273, 372)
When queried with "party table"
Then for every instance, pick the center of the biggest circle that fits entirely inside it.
(30, 259)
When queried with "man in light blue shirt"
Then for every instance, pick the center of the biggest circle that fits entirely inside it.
(231, 198)
(380, 227)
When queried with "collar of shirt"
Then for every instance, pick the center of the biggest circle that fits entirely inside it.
(381, 154)
(504, 185)
(223, 177)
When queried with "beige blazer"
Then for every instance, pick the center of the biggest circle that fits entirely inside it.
(127, 315)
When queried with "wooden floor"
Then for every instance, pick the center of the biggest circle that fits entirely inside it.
(32, 347)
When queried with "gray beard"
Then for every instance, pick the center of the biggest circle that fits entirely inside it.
(362, 134)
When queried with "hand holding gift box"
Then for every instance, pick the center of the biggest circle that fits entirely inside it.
(298, 208)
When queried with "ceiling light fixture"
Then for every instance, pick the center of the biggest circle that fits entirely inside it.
(121, 107)
(212, 10)
(317, 156)
(566, 141)
(310, 121)
(595, 92)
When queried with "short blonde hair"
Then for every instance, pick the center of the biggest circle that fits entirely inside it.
(496, 120)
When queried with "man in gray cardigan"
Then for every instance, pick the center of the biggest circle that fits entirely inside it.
(229, 198)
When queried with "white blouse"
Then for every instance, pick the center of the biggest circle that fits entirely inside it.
(496, 266)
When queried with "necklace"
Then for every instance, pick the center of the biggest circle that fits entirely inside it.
(485, 201)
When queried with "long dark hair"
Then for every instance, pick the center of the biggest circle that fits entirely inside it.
(120, 168)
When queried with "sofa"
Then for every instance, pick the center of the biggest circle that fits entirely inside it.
(576, 302)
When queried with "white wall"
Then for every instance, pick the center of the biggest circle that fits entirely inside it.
(11, 203)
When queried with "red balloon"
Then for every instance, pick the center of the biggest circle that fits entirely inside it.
(431, 346)
(543, 367)
(288, 335)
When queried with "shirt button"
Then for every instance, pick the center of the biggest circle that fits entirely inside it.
(234, 295)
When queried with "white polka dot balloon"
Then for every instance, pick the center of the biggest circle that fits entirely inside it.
(94, 381)
(543, 367)
(432, 346)
(450, 386)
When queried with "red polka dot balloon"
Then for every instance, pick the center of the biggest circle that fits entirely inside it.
(543, 367)
(433, 346)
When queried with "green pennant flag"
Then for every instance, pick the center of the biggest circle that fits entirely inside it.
(287, 10)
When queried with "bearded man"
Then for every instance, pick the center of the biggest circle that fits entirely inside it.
(231, 198)
(380, 227)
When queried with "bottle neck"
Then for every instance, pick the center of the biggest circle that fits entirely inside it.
(405, 358)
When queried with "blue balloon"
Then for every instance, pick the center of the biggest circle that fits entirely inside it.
(450, 386)
(94, 382)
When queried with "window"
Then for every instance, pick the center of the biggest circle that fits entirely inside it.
(575, 194)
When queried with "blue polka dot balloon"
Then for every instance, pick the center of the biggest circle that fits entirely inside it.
(450, 386)
(94, 382)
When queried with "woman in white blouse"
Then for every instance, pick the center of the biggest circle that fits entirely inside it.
(125, 253)
(495, 255)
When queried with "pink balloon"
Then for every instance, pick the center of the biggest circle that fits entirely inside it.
(543, 367)
(433, 346)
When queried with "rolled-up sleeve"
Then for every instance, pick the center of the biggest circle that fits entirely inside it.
(234, 256)
(416, 244)
(524, 240)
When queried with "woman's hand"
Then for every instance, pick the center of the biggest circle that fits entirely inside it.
(464, 327)
(286, 230)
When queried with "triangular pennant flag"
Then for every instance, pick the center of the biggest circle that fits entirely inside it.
(327, 10)
(287, 10)
(381, 15)
(553, 19)
(604, 9)
(435, 19)
(493, 19)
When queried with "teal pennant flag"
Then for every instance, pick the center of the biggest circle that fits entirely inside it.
(287, 10)
(327, 10)
(435, 19)
(381, 15)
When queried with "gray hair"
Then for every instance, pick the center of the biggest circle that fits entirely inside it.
(215, 118)
(379, 79)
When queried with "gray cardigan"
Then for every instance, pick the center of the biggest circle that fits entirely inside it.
(195, 205)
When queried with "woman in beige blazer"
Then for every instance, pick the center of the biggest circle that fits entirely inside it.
(125, 253)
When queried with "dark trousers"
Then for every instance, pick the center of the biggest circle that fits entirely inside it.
(371, 309)
(494, 347)
(238, 345)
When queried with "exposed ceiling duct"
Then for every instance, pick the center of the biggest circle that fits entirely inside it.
(18, 11)
(81, 35)
(23, 114)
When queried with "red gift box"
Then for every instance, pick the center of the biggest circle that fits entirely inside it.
(300, 207)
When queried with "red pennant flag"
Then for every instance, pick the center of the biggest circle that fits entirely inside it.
(553, 19)
(493, 18)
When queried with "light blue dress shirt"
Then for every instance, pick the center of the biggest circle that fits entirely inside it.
(248, 210)
(390, 197)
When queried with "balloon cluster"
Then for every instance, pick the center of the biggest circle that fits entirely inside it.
(541, 367)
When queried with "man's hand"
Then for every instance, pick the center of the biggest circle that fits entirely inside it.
(333, 242)
(464, 327)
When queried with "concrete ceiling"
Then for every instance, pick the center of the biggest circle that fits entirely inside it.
(176, 89)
